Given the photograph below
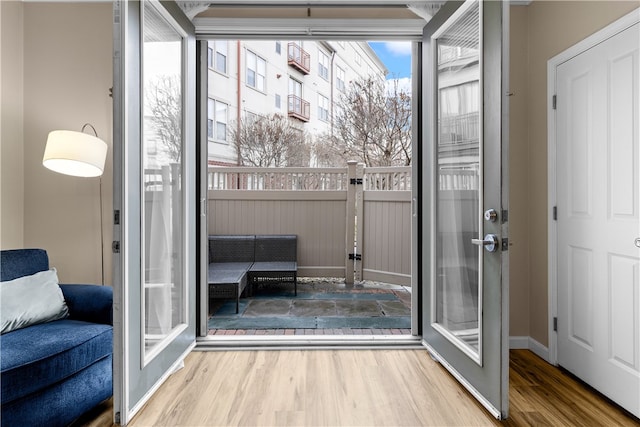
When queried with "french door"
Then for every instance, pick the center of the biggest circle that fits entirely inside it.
(154, 198)
(464, 222)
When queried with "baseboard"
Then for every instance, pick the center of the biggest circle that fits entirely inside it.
(539, 349)
(528, 343)
(518, 343)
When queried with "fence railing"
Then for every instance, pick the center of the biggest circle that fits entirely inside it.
(458, 179)
(387, 178)
(352, 222)
(282, 179)
(310, 179)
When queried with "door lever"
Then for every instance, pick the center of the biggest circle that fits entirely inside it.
(490, 242)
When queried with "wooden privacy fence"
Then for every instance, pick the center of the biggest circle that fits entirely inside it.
(352, 222)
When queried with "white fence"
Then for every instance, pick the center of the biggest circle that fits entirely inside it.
(320, 206)
(352, 222)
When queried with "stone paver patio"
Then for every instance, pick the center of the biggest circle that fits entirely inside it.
(323, 306)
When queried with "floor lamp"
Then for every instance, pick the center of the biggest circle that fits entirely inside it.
(78, 154)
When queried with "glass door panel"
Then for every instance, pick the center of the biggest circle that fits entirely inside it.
(163, 299)
(458, 260)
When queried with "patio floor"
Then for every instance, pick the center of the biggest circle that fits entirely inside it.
(323, 306)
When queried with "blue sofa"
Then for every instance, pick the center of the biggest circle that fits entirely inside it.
(52, 373)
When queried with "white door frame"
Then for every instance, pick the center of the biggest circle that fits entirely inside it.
(611, 30)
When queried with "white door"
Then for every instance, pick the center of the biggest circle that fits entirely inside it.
(598, 214)
(154, 197)
(463, 264)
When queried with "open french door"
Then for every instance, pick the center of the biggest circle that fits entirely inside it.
(464, 221)
(154, 198)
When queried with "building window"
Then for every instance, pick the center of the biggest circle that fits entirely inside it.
(256, 71)
(358, 58)
(250, 118)
(217, 120)
(295, 88)
(323, 65)
(217, 56)
(277, 101)
(340, 79)
(221, 56)
(278, 48)
(323, 108)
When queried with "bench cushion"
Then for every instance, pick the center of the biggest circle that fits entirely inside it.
(225, 276)
(36, 357)
(271, 266)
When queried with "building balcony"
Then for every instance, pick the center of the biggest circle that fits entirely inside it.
(299, 58)
(299, 108)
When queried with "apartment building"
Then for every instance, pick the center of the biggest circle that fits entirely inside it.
(301, 80)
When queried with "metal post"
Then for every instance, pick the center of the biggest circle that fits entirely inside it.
(351, 222)
(359, 221)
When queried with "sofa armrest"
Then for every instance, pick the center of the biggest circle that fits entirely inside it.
(91, 303)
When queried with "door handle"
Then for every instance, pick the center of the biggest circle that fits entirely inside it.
(638, 242)
(490, 242)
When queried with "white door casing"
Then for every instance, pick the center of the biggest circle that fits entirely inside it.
(598, 216)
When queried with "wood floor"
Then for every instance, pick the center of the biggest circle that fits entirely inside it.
(361, 387)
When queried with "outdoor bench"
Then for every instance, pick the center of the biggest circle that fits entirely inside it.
(236, 262)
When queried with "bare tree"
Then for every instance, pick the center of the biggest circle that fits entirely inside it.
(164, 101)
(270, 141)
(372, 124)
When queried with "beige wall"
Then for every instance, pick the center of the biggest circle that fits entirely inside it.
(548, 28)
(518, 176)
(11, 126)
(67, 76)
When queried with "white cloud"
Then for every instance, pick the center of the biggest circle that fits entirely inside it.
(404, 84)
(398, 48)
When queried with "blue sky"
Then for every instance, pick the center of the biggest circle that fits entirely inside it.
(396, 56)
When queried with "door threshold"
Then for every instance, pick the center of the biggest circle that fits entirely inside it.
(309, 342)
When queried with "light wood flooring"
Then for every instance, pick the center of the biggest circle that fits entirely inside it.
(358, 387)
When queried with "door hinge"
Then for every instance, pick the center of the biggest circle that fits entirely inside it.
(555, 213)
(357, 257)
(356, 181)
(505, 244)
(116, 217)
(555, 324)
(115, 247)
(554, 101)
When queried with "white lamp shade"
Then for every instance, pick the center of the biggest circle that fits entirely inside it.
(75, 153)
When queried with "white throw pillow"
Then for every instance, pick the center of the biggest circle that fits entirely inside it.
(29, 300)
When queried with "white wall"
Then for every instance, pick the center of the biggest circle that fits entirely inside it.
(67, 76)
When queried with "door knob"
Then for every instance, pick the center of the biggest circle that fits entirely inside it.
(638, 242)
(491, 215)
(490, 242)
